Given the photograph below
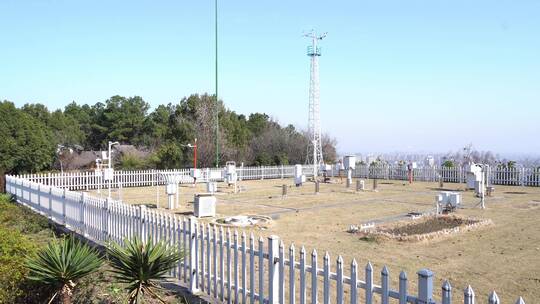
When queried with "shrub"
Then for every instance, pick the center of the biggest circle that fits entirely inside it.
(141, 265)
(13, 248)
(61, 264)
(20, 219)
(130, 161)
(448, 164)
(21, 232)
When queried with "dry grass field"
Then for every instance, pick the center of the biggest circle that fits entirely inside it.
(504, 256)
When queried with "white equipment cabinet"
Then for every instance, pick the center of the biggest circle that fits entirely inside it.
(230, 172)
(349, 162)
(474, 175)
(204, 205)
(195, 173)
(211, 187)
(108, 174)
(447, 200)
(299, 178)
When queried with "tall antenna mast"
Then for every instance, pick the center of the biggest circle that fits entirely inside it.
(314, 153)
(216, 114)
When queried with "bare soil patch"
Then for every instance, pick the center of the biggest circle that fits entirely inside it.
(432, 224)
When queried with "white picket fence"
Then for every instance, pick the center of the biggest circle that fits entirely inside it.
(516, 177)
(230, 267)
(87, 180)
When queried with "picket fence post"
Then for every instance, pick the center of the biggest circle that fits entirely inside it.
(369, 283)
(142, 223)
(193, 288)
(273, 269)
(105, 218)
(314, 268)
(385, 286)
(39, 208)
(82, 210)
(402, 288)
(425, 286)
(446, 293)
(50, 203)
(493, 298)
(468, 295)
(64, 206)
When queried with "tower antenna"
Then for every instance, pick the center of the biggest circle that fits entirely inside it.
(314, 153)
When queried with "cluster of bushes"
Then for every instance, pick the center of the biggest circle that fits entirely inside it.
(36, 266)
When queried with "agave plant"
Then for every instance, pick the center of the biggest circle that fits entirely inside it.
(61, 263)
(141, 265)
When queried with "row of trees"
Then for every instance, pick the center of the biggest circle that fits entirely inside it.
(33, 133)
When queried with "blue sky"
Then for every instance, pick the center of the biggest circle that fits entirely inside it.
(395, 75)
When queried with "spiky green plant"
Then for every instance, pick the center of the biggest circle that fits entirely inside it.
(61, 263)
(141, 265)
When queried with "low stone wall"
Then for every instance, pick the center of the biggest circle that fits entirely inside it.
(386, 232)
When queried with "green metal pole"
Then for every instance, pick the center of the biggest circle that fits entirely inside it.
(217, 99)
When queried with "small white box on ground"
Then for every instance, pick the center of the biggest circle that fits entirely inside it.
(361, 185)
(204, 205)
(211, 187)
(299, 178)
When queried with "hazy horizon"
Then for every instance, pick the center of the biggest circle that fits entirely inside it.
(417, 76)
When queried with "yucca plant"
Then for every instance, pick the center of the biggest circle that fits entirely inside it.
(141, 265)
(61, 263)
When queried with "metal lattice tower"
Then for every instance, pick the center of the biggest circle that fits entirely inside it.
(314, 153)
